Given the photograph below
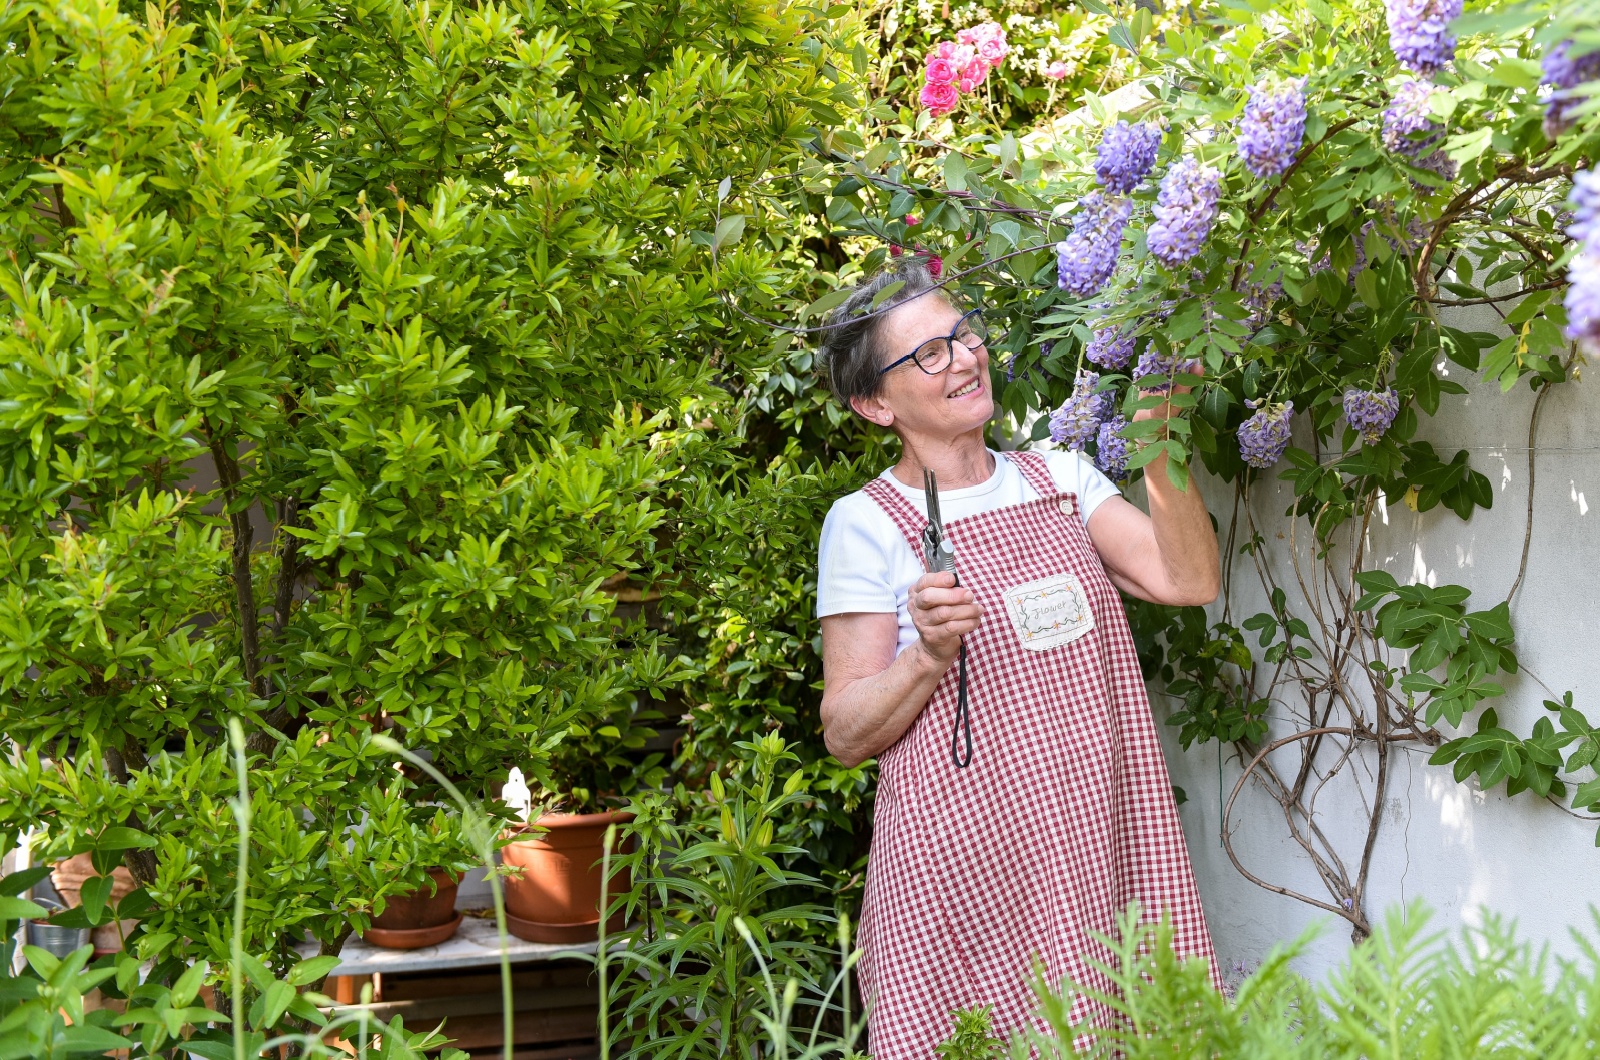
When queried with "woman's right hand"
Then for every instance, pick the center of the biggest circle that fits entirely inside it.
(943, 613)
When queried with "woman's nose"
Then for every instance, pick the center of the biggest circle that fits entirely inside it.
(965, 356)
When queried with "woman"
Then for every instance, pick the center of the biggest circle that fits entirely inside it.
(1064, 813)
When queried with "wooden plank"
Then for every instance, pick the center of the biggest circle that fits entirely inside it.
(529, 1028)
(417, 1011)
(407, 986)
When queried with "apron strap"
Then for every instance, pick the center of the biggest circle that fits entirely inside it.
(1037, 472)
(901, 511)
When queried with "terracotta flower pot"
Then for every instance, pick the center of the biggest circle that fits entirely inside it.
(419, 918)
(557, 898)
(70, 875)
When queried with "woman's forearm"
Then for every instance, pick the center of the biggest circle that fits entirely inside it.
(864, 717)
(1186, 542)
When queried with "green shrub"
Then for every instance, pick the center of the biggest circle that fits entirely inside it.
(355, 354)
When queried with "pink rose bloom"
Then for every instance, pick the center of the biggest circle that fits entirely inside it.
(945, 50)
(975, 72)
(935, 265)
(1056, 70)
(993, 49)
(972, 35)
(962, 55)
(966, 85)
(911, 219)
(940, 71)
(939, 98)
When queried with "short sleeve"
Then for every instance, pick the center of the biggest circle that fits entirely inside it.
(853, 563)
(1075, 474)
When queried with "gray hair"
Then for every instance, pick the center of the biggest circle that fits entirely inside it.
(852, 353)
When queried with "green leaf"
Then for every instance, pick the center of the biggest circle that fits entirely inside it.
(96, 892)
(311, 970)
(119, 837)
(728, 232)
(20, 909)
(21, 880)
(188, 984)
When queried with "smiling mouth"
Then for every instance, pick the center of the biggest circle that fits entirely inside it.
(971, 387)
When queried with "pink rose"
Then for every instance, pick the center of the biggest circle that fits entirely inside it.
(935, 265)
(993, 49)
(939, 98)
(895, 250)
(940, 71)
(962, 55)
(911, 219)
(945, 50)
(966, 85)
(970, 36)
(975, 72)
(1056, 70)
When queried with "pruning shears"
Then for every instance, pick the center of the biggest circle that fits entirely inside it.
(939, 556)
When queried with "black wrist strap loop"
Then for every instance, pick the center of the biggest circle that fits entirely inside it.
(963, 726)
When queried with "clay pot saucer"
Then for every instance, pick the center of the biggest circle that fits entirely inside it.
(559, 934)
(412, 938)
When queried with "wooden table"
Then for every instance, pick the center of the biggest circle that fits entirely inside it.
(554, 999)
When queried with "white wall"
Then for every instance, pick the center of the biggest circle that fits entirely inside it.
(1458, 848)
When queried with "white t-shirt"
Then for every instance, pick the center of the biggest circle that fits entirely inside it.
(866, 564)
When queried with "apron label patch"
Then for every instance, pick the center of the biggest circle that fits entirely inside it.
(1049, 611)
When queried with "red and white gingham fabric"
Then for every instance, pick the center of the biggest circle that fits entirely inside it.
(1063, 817)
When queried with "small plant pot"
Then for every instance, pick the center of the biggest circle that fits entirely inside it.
(70, 875)
(557, 898)
(420, 918)
(56, 940)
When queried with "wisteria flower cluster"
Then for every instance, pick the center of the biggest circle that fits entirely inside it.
(1419, 33)
(1583, 275)
(1111, 449)
(1127, 153)
(1080, 416)
(956, 68)
(1111, 348)
(1184, 211)
(1264, 436)
(1408, 125)
(1272, 128)
(1564, 73)
(1154, 362)
(1371, 412)
(1087, 257)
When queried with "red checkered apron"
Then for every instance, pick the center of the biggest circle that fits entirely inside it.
(1063, 817)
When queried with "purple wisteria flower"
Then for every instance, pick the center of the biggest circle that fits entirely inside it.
(1563, 73)
(1440, 165)
(1078, 418)
(1259, 299)
(1126, 154)
(1111, 348)
(1419, 33)
(1153, 362)
(1184, 211)
(1111, 449)
(1273, 125)
(1585, 203)
(1583, 298)
(1583, 275)
(1264, 436)
(1371, 412)
(1408, 125)
(1086, 259)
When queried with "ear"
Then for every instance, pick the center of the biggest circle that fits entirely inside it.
(874, 410)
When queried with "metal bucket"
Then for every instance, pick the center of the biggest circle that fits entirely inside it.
(54, 939)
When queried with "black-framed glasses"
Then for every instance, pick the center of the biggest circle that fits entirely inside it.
(935, 355)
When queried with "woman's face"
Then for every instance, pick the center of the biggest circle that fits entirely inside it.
(939, 407)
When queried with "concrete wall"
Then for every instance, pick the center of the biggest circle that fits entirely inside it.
(1459, 848)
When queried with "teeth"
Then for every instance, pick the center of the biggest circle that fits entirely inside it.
(969, 388)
